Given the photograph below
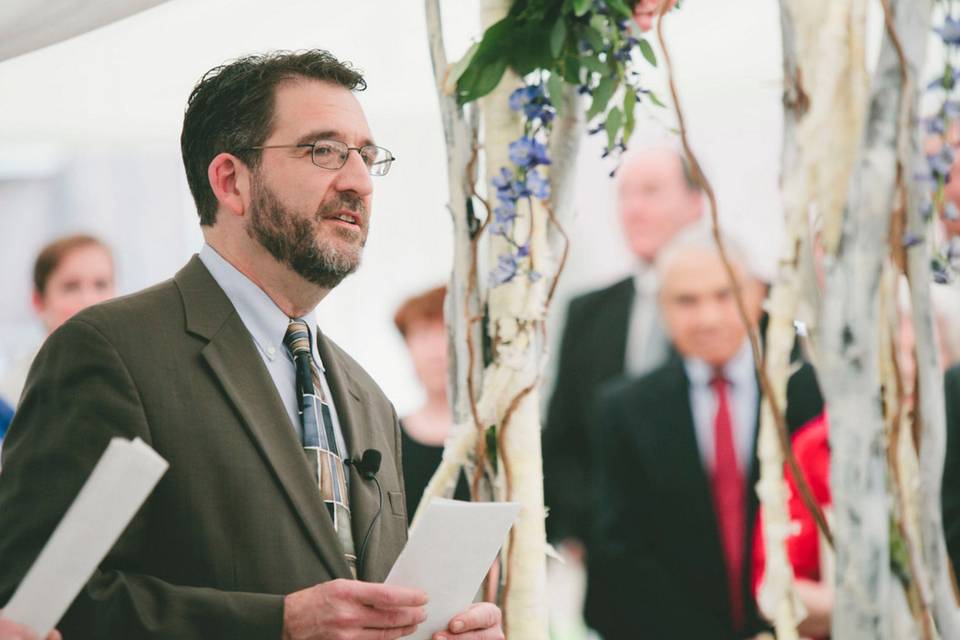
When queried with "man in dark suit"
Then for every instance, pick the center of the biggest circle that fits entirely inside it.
(258, 527)
(950, 492)
(609, 332)
(678, 465)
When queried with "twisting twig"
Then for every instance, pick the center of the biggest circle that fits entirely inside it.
(918, 583)
(701, 179)
(563, 256)
(472, 285)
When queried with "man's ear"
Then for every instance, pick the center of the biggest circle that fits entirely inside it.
(36, 300)
(229, 180)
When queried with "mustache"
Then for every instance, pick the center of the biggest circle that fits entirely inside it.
(344, 201)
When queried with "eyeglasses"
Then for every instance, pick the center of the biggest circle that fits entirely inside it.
(333, 154)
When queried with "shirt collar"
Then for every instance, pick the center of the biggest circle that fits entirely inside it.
(739, 370)
(644, 278)
(265, 321)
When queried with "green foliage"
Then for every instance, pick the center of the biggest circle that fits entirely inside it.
(585, 43)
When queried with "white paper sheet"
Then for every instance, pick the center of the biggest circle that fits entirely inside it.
(124, 476)
(449, 553)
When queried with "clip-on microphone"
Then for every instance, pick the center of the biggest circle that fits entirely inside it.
(367, 466)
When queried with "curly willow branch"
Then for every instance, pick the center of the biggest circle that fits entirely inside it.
(480, 452)
(701, 179)
(898, 227)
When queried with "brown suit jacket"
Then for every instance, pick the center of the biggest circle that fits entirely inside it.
(237, 521)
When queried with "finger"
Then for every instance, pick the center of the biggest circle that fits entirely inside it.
(377, 618)
(386, 596)
(483, 634)
(54, 635)
(482, 615)
(386, 634)
(14, 631)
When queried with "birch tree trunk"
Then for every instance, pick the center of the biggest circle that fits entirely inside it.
(505, 394)
(777, 597)
(866, 593)
(463, 296)
(511, 391)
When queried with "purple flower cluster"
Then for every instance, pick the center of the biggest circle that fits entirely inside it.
(532, 100)
(940, 131)
(521, 182)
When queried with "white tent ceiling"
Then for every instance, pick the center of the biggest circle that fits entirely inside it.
(26, 26)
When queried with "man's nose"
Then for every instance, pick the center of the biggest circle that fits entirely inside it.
(354, 175)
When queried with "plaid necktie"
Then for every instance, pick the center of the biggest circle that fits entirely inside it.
(319, 439)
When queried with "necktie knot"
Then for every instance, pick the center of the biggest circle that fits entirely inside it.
(719, 382)
(297, 338)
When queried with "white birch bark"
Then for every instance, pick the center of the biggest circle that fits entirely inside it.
(865, 591)
(929, 403)
(516, 312)
(462, 300)
(777, 597)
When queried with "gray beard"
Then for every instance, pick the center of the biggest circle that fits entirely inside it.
(291, 239)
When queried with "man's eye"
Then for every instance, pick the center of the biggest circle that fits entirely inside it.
(369, 155)
(324, 150)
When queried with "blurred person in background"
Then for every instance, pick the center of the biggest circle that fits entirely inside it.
(420, 321)
(69, 275)
(677, 461)
(610, 332)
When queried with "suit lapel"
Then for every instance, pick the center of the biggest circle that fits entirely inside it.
(233, 358)
(353, 412)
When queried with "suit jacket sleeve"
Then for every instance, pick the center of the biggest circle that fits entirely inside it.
(565, 439)
(79, 395)
(624, 552)
(950, 494)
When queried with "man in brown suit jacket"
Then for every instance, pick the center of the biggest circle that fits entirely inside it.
(236, 541)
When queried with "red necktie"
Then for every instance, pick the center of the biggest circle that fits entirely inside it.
(729, 497)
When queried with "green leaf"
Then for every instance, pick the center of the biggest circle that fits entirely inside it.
(528, 49)
(612, 125)
(600, 22)
(571, 70)
(481, 81)
(580, 7)
(594, 38)
(593, 64)
(655, 100)
(620, 7)
(601, 96)
(458, 68)
(555, 88)
(557, 36)
(647, 52)
(488, 63)
(629, 106)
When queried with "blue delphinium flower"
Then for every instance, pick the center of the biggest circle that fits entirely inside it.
(941, 162)
(950, 31)
(911, 239)
(503, 218)
(505, 271)
(538, 185)
(528, 152)
(934, 125)
(950, 211)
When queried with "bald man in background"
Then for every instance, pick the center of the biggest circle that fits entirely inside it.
(611, 332)
(677, 461)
